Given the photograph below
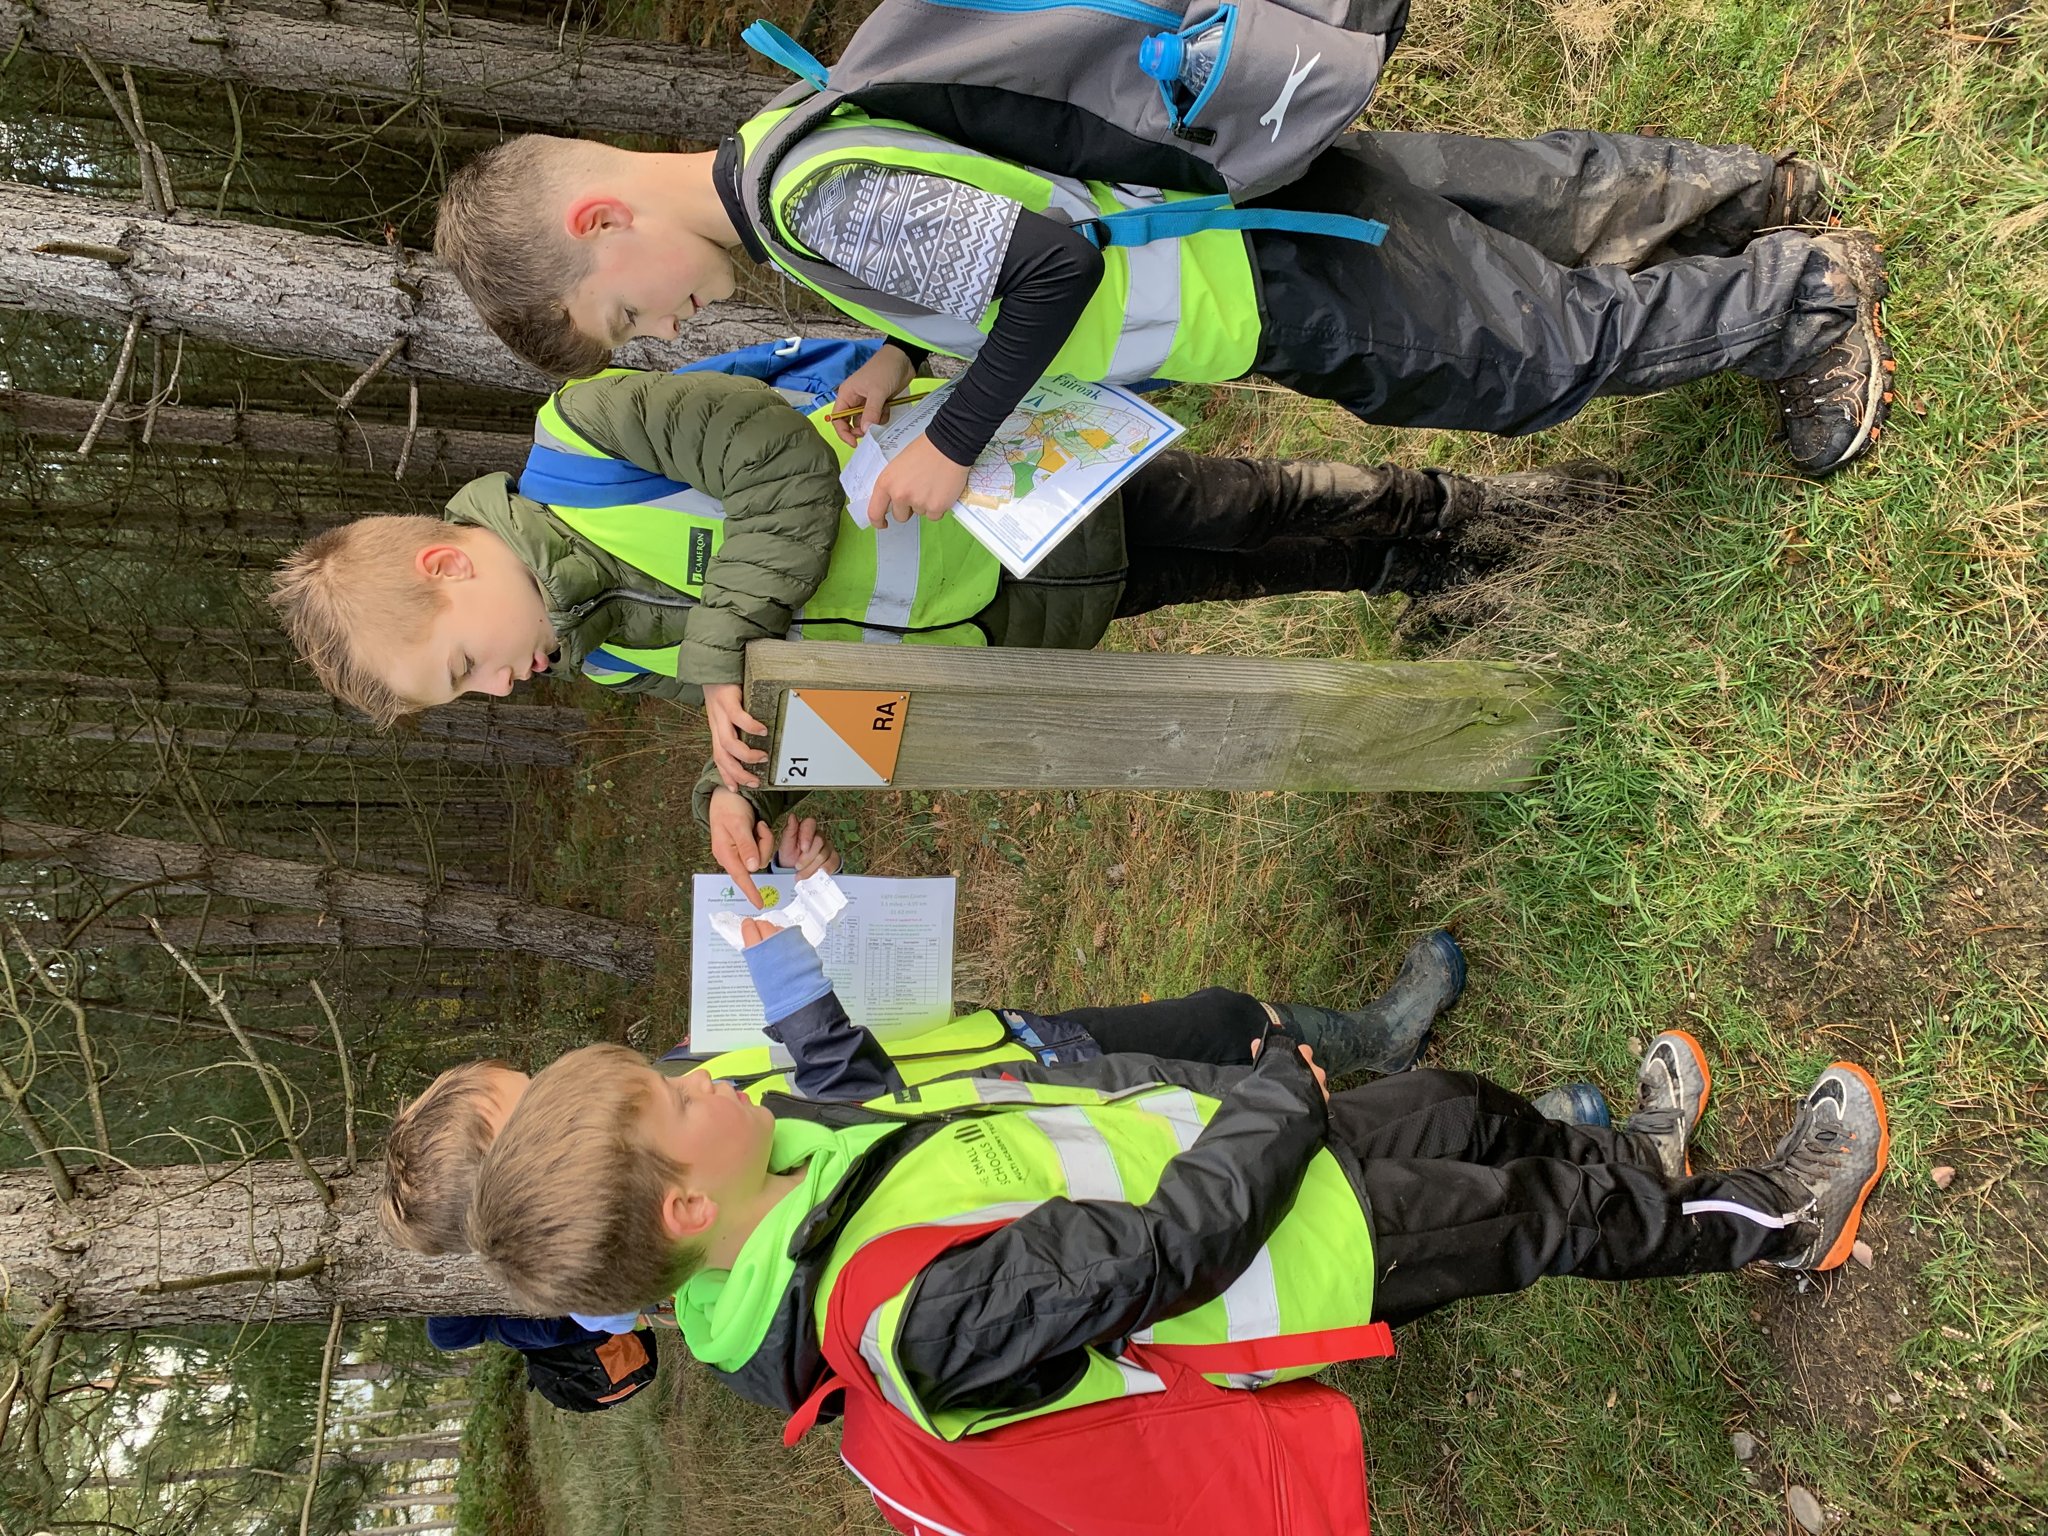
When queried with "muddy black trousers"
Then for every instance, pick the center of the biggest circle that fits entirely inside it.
(1520, 278)
(1470, 1192)
(1204, 530)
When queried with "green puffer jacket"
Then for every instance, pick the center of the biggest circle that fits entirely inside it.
(778, 479)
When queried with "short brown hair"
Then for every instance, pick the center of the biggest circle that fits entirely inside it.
(436, 1144)
(496, 231)
(567, 1208)
(358, 580)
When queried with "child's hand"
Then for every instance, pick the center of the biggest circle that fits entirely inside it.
(740, 841)
(871, 386)
(754, 931)
(920, 479)
(729, 754)
(805, 849)
(1308, 1055)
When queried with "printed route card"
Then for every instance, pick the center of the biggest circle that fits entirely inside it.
(889, 956)
(1066, 447)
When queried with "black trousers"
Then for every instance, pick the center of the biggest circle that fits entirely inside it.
(1470, 1192)
(1520, 278)
(1214, 1025)
(1200, 529)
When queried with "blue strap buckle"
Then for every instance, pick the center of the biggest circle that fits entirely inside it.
(778, 47)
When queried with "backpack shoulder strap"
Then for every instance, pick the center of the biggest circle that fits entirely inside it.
(1171, 221)
(878, 1270)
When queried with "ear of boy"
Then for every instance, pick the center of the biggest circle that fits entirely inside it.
(687, 1215)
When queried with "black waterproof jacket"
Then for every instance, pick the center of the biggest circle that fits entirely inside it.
(1003, 1322)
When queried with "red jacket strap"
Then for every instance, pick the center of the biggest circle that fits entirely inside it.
(879, 1269)
(1366, 1342)
(806, 1416)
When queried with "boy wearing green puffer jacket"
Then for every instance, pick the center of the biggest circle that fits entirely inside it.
(724, 522)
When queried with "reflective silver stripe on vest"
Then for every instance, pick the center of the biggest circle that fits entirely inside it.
(1151, 301)
(880, 1367)
(1251, 1304)
(548, 439)
(899, 548)
(1177, 1107)
(1137, 1379)
(1086, 1162)
(1001, 1090)
(688, 500)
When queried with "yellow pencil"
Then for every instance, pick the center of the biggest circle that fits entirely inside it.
(855, 410)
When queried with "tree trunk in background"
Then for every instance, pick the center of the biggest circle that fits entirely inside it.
(225, 931)
(528, 74)
(537, 750)
(128, 1235)
(463, 719)
(322, 440)
(272, 290)
(452, 919)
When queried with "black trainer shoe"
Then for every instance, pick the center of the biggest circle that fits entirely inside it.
(1799, 198)
(1671, 1093)
(1388, 1033)
(1834, 408)
(1835, 1151)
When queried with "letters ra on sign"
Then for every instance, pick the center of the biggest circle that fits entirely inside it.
(838, 738)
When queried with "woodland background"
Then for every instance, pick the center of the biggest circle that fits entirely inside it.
(1800, 812)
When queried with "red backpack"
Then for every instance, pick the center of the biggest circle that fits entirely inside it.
(1284, 1460)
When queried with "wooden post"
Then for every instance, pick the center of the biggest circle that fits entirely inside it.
(1012, 719)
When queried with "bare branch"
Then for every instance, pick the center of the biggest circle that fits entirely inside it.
(320, 1417)
(268, 1274)
(16, 1095)
(218, 1002)
(348, 396)
(348, 1087)
(412, 428)
(52, 1315)
(114, 384)
(61, 996)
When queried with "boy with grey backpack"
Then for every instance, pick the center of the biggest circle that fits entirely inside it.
(1128, 191)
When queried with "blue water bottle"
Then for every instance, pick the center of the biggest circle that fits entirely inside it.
(1184, 61)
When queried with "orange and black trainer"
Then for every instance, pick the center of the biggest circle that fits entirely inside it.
(1671, 1093)
(1833, 408)
(1835, 1151)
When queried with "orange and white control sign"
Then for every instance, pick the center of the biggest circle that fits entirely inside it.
(838, 738)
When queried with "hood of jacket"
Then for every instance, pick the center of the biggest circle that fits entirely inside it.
(592, 597)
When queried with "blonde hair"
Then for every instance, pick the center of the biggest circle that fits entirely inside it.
(567, 1208)
(436, 1144)
(358, 580)
(496, 229)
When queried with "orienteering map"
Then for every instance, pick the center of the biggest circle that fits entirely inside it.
(1052, 462)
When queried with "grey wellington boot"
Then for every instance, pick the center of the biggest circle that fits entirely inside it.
(1387, 1034)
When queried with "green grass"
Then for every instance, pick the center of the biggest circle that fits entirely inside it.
(1799, 812)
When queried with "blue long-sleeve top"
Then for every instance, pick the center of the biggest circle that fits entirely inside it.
(836, 1059)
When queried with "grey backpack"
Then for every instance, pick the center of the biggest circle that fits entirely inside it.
(1231, 98)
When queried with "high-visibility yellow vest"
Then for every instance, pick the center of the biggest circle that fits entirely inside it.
(1182, 308)
(1020, 1144)
(974, 1040)
(917, 583)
